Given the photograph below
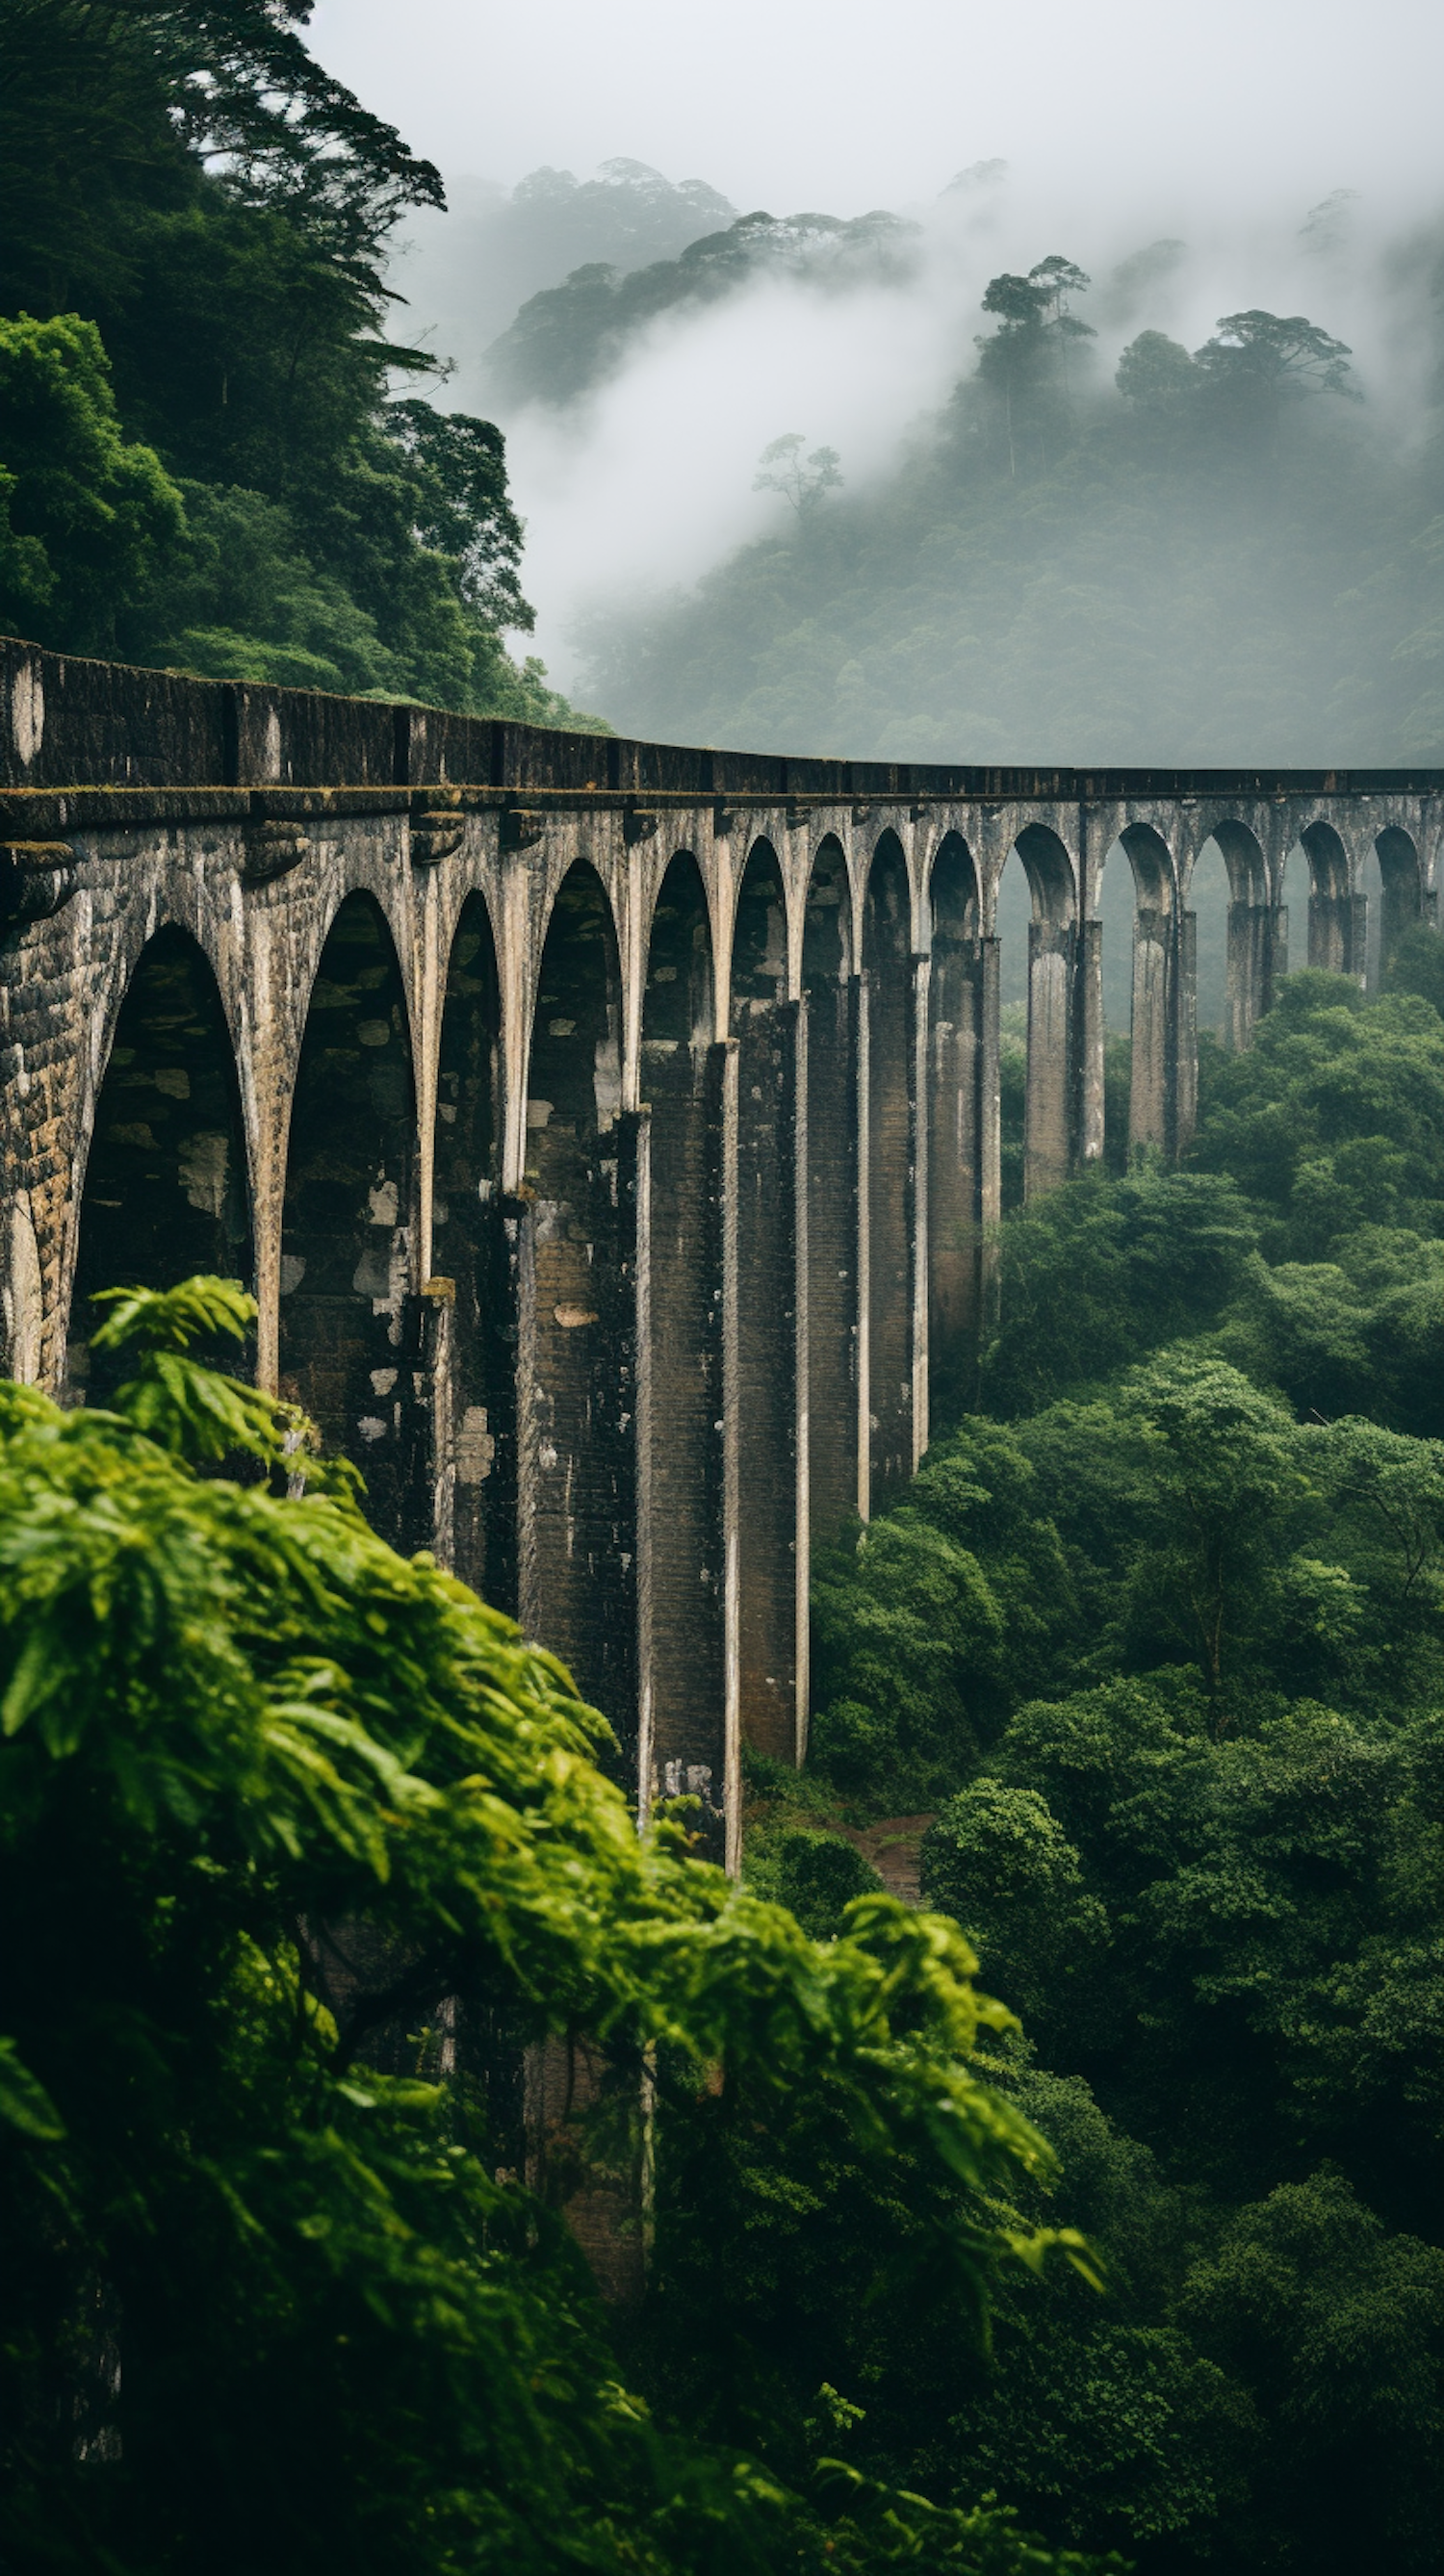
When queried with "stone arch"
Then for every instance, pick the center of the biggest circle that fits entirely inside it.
(679, 1418)
(767, 1320)
(1401, 892)
(166, 1190)
(759, 934)
(831, 990)
(889, 1165)
(1052, 937)
(1254, 939)
(1333, 935)
(827, 919)
(348, 1304)
(955, 1122)
(576, 1424)
(1153, 987)
(469, 1246)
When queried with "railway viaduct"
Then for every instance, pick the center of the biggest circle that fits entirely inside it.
(610, 1131)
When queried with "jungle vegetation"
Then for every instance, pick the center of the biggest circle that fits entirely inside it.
(273, 2289)
(1205, 555)
(1156, 1638)
(214, 453)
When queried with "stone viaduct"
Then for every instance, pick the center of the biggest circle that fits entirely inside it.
(610, 1131)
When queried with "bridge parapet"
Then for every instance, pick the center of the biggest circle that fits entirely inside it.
(610, 1131)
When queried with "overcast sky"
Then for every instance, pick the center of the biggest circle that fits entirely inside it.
(847, 104)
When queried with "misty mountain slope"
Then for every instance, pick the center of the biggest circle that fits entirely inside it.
(569, 338)
(1229, 560)
(464, 274)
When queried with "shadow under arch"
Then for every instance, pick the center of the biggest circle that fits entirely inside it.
(1255, 936)
(889, 1161)
(771, 1590)
(1336, 940)
(956, 1009)
(469, 1245)
(831, 988)
(166, 1188)
(1049, 1110)
(679, 1420)
(576, 1403)
(1154, 990)
(1401, 892)
(348, 1304)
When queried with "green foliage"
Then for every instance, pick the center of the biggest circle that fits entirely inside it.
(270, 1794)
(1094, 1275)
(189, 204)
(996, 596)
(86, 514)
(997, 1860)
(1193, 1817)
(815, 1875)
(568, 339)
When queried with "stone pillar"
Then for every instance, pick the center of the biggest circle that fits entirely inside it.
(863, 1447)
(1152, 1028)
(833, 1029)
(954, 1170)
(681, 1539)
(1277, 952)
(990, 1124)
(576, 1409)
(921, 1205)
(770, 1061)
(891, 1208)
(1331, 932)
(1248, 988)
(1091, 1032)
(1047, 1138)
(1183, 1084)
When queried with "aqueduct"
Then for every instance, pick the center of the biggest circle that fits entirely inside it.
(610, 1131)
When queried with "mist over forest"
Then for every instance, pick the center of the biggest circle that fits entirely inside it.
(1092, 493)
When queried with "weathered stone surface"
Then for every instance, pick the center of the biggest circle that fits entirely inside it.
(679, 1066)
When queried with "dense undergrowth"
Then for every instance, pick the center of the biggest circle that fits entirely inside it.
(1156, 1633)
(273, 2290)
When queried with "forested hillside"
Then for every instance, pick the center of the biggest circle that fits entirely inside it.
(1157, 1637)
(1221, 552)
(204, 457)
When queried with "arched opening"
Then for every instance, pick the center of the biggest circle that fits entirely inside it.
(1117, 921)
(165, 1179)
(576, 1432)
(469, 1246)
(1257, 933)
(1014, 922)
(1153, 1061)
(1208, 901)
(679, 1082)
(831, 988)
(1049, 1107)
(891, 1166)
(955, 1059)
(766, 1023)
(1396, 900)
(1331, 928)
(348, 1239)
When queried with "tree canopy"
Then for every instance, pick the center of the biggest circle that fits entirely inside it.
(194, 221)
(302, 1846)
